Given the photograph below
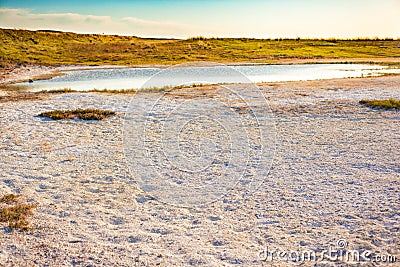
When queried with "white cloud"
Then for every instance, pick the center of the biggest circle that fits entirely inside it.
(163, 28)
(25, 19)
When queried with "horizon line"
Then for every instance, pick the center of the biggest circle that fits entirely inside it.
(200, 37)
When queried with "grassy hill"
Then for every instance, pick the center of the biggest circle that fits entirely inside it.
(50, 47)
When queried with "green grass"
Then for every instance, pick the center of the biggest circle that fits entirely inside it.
(15, 213)
(45, 47)
(83, 114)
(382, 104)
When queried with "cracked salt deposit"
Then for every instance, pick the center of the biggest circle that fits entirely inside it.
(335, 175)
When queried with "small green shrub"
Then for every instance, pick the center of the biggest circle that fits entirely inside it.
(83, 114)
(382, 104)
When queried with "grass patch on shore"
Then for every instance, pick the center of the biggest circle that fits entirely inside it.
(123, 91)
(15, 213)
(390, 103)
(55, 48)
(83, 114)
(20, 94)
(58, 91)
(110, 91)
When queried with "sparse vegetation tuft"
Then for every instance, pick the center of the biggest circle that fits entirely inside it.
(83, 114)
(59, 91)
(15, 213)
(113, 91)
(382, 104)
(9, 199)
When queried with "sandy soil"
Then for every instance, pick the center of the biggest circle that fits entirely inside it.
(24, 72)
(335, 175)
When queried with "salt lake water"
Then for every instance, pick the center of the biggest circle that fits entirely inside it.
(136, 78)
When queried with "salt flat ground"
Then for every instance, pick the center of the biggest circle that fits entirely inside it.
(335, 175)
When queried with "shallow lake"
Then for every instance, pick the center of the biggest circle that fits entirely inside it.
(136, 78)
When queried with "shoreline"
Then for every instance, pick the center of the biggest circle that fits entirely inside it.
(344, 83)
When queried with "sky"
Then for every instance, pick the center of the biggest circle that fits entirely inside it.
(217, 18)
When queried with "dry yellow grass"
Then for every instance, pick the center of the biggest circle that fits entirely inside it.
(15, 213)
(382, 104)
(45, 47)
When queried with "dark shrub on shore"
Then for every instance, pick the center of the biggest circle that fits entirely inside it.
(83, 114)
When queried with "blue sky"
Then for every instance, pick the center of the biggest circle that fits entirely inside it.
(223, 18)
